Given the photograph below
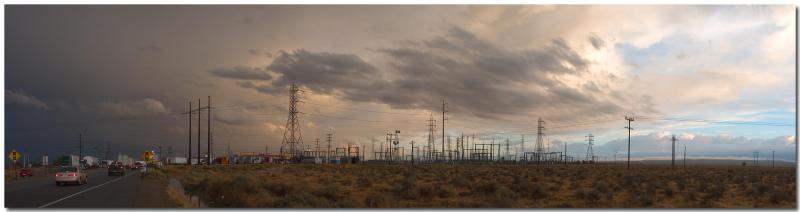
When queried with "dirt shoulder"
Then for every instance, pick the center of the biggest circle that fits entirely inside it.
(152, 193)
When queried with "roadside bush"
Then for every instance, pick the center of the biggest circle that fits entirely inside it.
(426, 190)
(778, 196)
(537, 192)
(669, 191)
(486, 187)
(299, 199)
(716, 191)
(600, 186)
(445, 191)
(645, 199)
(330, 192)
(459, 181)
(345, 202)
(505, 198)
(277, 188)
(376, 200)
(363, 182)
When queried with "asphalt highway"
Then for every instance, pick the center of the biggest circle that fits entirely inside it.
(102, 191)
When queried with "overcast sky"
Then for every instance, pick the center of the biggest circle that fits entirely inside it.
(124, 74)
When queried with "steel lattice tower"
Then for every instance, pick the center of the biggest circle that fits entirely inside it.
(589, 150)
(292, 138)
(540, 137)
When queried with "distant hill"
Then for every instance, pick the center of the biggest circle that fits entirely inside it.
(718, 162)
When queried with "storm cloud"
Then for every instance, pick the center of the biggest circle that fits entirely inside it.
(477, 77)
(242, 72)
(126, 73)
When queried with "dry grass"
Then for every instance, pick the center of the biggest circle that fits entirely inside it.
(494, 186)
(178, 198)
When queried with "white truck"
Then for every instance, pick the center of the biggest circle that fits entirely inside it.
(90, 161)
(176, 160)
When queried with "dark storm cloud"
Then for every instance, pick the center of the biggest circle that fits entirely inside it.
(261, 88)
(596, 41)
(259, 52)
(325, 72)
(242, 72)
(475, 76)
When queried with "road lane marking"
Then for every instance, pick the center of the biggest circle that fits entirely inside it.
(88, 189)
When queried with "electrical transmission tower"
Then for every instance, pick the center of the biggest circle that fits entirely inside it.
(327, 155)
(444, 112)
(540, 137)
(508, 154)
(292, 138)
(589, 150)
(316, 151)
(431, 137)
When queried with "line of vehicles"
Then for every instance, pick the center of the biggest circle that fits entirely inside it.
(77, 174)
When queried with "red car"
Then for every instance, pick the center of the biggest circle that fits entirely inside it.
(25, 173)
(138, 165)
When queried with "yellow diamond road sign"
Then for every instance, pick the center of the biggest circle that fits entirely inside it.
(14, 155)
(147, 155)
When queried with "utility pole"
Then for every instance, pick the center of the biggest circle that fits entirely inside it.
(189, 156)
(80, 146)
(431, 138)
(684, 157)
(412, 152)
(630, 119)
(199, 114)
(755, 158)
(449, 153)
(395, 149)
(522, 150)
(108, 149)
(673, 150)
(169, 153)
(159, 153)
(209, 131)
(773, 158)
(565, 153)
